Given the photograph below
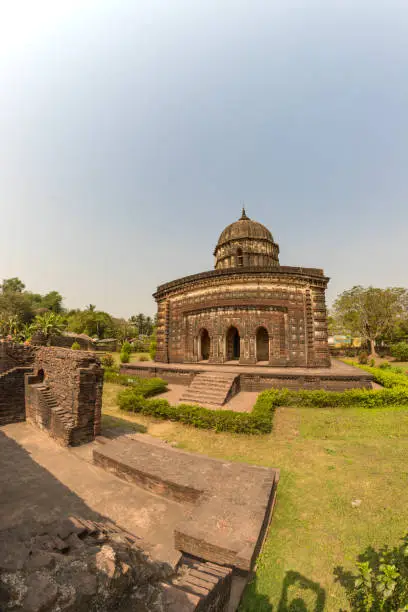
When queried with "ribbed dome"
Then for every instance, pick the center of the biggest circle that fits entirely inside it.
(244, 228)
(246, 243)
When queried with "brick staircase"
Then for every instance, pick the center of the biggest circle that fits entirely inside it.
(211, 389)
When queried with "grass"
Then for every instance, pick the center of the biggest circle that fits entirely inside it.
(133, 357)
(327, 458)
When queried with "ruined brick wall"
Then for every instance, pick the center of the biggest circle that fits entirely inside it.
(12, 405)
(289, 306)
(14, 355)
(64, 395)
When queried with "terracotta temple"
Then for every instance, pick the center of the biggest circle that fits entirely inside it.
(248, 310)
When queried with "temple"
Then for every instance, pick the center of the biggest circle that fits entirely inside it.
(249, 310)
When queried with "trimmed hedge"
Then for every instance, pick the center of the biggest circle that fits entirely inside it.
(259, 421)
(385, 377)
(143, 386)
(256, 422)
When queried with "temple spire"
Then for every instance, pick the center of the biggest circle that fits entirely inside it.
(244, 215)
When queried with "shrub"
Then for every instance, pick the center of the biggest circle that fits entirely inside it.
(372, 363)
(145, 386)
(152, 349)
(124, 357)
(388, 378)
(363, 357)
(385, 365)
(400, 351)
(76, 346)
(381, 582)
(258, 421)
(108, 361)
(126, 348)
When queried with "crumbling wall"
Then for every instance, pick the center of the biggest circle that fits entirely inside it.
(13, 355)
(64, 395)
(12, 404)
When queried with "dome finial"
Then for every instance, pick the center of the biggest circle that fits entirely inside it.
(244, 215)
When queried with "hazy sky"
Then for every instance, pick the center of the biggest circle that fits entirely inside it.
(132, 130)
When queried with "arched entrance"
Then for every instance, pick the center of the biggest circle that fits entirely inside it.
(233, 344)
(205, 344)
(262, 344)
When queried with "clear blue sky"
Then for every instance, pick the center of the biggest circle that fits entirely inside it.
(130, 132)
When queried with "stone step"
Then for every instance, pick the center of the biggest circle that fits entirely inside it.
(208, 388)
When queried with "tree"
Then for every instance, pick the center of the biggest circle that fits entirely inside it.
(371, 313)
(50, 324)
(52, 301)
(12, 285)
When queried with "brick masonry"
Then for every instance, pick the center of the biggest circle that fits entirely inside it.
(278, 313)
(64, 394)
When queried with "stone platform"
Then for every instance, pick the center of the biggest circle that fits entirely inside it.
(230, 503)
(338, 377)
(191, 526)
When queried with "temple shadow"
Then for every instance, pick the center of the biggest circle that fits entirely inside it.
(115, 427)
(307, 596)
(35, 509)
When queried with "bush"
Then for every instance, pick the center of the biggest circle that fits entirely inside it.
(381, 582)
(258, 421)
(363, 357)
(124, 357)
(108, 361)
(372, 363)
(400, 351)
(76, 346)
(152, 349)
(385, 365)
(145, 386)
(388, 378)
(126, 348)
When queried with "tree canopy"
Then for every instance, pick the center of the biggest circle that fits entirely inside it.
(371, 312)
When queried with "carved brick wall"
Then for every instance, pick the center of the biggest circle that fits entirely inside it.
(290, 307)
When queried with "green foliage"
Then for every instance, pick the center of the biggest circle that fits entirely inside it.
(94, 323)
(372, 363)
(144, 386)
(142, 323)
(152, 349)
(388, 378)
(124, 357)
(108, 361)
(257, 422)
(260, 419)
(400, 351)
(385, 365)
(363, 357)
(381, 583)
(143, 357)
(76, 346)
(50, 324)
(371, 312)
(126, 348)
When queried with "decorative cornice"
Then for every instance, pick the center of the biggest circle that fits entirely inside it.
(285, 272)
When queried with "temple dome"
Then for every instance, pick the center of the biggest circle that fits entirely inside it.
(246, 243)
(244, 228)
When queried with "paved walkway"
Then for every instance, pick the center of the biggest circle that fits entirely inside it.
(40, 480)
(242, 402)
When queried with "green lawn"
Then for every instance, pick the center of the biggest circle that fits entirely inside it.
(133, 357)
(327, 458)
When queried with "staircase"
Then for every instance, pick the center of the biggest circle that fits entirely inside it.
(211, 389)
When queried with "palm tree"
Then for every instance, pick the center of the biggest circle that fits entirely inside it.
(49, 324)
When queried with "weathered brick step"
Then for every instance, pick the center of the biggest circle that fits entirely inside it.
(212, 389)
